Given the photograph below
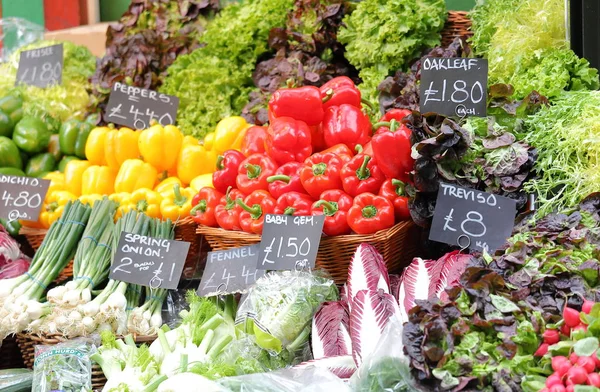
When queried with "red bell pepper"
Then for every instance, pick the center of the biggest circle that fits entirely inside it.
(341, 150)
(227, 170)
(395, 114)
(227, 212)
(253, 173)
(204, 204)
(294, 203)
(317, 138)
(254, 208)
(321, 172)
(370, 213)
(286, 179)
(361, 174)
(346, 124)
(302, 104)
(254, 140)
(334, 204)
(392, 149)
(288, 140)
(393, 190)
(341, 90)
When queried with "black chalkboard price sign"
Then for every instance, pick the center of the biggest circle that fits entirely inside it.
(290, 242)
(147, 261)
(41, 67)
(22, 197)
(230, 271)
(472, 219)
(136, 107)
(454, 86)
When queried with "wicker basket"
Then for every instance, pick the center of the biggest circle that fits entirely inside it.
(10, 355)
(185, 230)
(27, 343)
(34, 237)
(398, 246)
(458, 24)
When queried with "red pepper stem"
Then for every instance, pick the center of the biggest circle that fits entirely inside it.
(330, 208)
(179, 199)
(255, 211)
(201, 206)
(369, 211)
(253, 170)
(220, 165)
(229, 202)
(319, 168)
(279, 177)
(289, 211)
(328, 95)
(399, 185)
(363, 171)
(358, 148)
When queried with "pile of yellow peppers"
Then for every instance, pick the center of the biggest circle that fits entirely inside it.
(157, 171)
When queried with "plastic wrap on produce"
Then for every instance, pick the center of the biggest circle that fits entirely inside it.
(17, 32)
(387, 368)
(65, 367)
(16, 380)
(311, 379)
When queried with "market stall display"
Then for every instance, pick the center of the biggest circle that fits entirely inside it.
(300, 162)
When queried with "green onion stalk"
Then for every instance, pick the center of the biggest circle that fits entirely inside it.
(90, 269)
(147, 319)
(20, 296)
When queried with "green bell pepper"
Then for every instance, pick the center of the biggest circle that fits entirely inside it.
(11, 103)
(9, 154)
(54, 148)
(11, 112)
(72, 137)
(6, 125)
(63, 162)
(11, 171)
(40, 164)
(12, 227)
(31, 135)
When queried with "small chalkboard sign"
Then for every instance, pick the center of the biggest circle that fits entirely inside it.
(454, 86)
(230, 271)
(22, 197)
(472, 219)
(290, 242)
(147, 261)
(136, 107)
(41, 67)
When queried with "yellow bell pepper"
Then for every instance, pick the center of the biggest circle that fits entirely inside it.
(178, 204)
(229, 134)
(57, 181)
(54, 206)
(146, 201)
(203, 180)
(90, 199)
(209, 141)
(159, 146)
(94, 146)
(98, 180)
(135, 174)
(165, 187)
(122, 200)
(187, 140)
(193, 161)
(73, 174)
(119, 146)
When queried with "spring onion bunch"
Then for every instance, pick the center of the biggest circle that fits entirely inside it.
(19, 297)
(90, 269)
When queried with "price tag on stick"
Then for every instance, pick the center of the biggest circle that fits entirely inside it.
(472, 219)
(454, 86)
(41, 67)
(230, 271)
(290, 242)
(147, 261)
(22, 197)
(136, 107)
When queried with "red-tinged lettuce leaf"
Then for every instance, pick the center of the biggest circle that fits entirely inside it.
(453, 265)
(395, 281)
(419, 282)
(367, 271)
(330, 330)
(342, 366)
(370, 313)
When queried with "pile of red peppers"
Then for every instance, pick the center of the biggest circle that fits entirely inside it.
(318, 156)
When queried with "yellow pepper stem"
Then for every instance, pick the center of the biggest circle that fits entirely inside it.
(179, 198)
